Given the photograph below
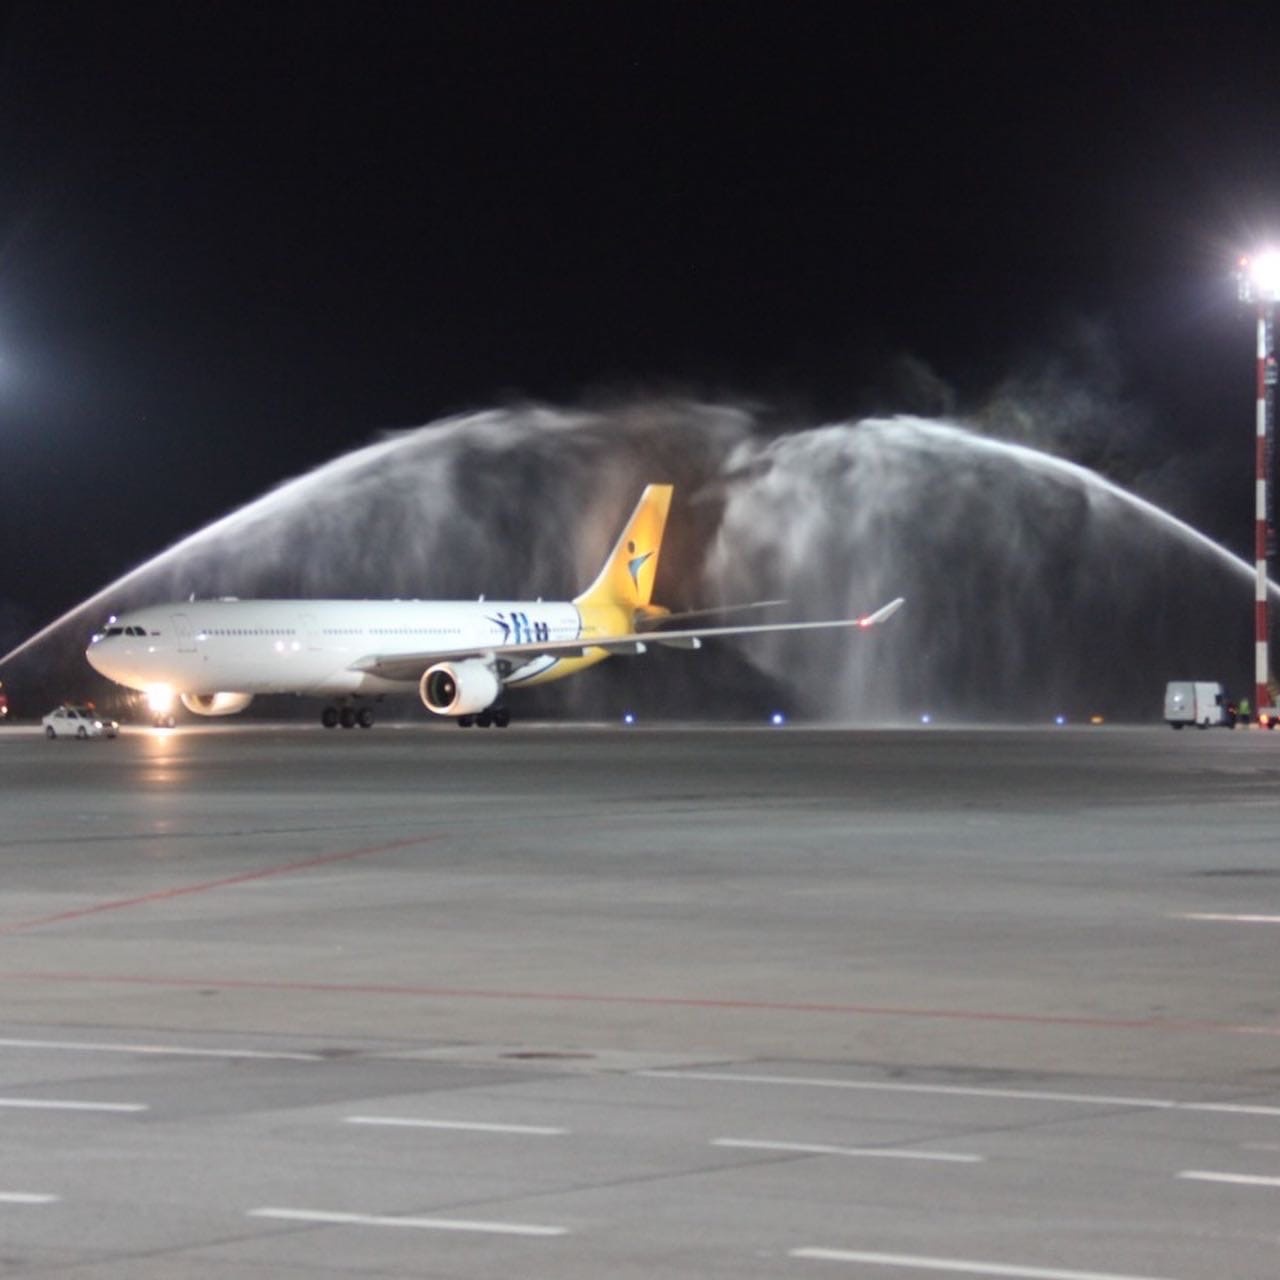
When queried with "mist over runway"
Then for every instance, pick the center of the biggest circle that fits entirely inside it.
(577, 1002)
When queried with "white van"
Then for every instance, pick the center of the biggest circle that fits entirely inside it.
(1199, 702)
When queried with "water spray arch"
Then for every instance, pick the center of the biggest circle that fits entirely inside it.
(1033, 584)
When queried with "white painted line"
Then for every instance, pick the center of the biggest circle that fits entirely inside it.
(179, 1051)
(958, 1265)
(1229, 1108)
(818, 1149)
(49, 1104)
(26, 1197)
(1224, 916)
(1238, 1179)
(421, 1224)
(961, 1091)
(472, 1126)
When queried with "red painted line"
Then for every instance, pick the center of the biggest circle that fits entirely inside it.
(650, 1001)
(178, 891)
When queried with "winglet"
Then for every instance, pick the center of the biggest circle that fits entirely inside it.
(883, 613)
(628, 574)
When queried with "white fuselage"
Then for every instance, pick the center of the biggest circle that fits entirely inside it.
(310, 646)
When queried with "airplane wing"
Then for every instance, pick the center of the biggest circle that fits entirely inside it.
(410, 666)
(656, 621)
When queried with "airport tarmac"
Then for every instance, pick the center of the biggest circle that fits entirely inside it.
(584, 1002)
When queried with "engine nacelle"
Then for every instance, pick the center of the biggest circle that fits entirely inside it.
(459, 688)
(216, 704)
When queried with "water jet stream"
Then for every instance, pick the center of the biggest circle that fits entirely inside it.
(1032, 582)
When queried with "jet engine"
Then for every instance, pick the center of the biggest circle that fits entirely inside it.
(459, 688)
(216, 704)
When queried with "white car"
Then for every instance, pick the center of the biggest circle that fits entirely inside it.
(78, 722)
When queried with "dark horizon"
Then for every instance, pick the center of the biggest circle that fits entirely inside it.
(239, 243)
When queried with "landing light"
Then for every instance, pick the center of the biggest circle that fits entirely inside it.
(628, 718)
(926, 718)
(777, 718)
(160, 699)
(1059, 720)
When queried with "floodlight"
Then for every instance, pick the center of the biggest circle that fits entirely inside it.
(1259, 277)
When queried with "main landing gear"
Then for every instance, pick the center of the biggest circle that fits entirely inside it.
(347, 717)
(498, 716)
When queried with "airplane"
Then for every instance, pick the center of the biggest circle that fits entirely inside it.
(217, 655)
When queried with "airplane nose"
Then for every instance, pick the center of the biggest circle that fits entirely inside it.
(103, 655)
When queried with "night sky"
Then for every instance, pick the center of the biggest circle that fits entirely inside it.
(237, 241)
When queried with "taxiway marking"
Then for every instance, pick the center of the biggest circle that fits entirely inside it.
(1227, 917)
(964, 1091)
(182, 1051)
(1237, 1179)
(52, 1104)
(727, 1004)
(27, 1197)
(473, 1126)
(205, 886)
(957, 1265)
(422, 1224)
(820, 1149)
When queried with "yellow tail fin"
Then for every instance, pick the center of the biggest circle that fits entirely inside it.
(628, 574)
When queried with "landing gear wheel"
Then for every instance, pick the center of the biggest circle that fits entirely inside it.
(502, 717)
(347, 718)
(364, 718)
(329, 717)
(484, 719)
(465, 722)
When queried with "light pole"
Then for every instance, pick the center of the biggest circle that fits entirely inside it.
(1258, 279)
